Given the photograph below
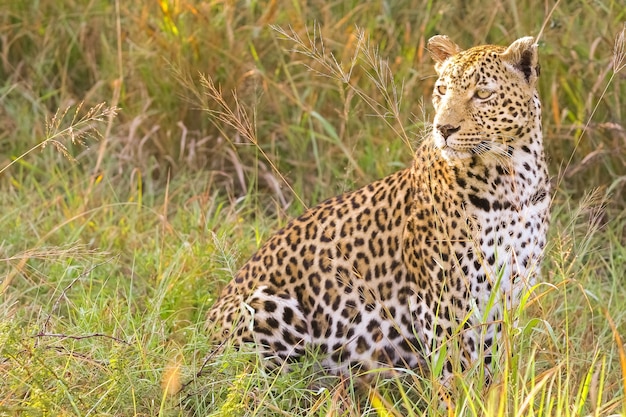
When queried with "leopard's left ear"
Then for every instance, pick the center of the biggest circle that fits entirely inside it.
(522, 55)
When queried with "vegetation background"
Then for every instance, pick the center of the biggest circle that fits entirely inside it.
(147, 148)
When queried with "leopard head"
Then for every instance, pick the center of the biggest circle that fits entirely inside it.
(485, 97)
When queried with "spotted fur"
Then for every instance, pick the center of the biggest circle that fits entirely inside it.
(387, 274)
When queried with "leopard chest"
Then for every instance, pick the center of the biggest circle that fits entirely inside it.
(471, 234)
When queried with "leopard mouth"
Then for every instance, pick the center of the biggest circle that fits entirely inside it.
(450, 153)
(472, 147)
(455, 151)
(469, 147)
(490, 147)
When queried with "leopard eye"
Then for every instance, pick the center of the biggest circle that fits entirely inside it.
(483, 93)
(441, 89)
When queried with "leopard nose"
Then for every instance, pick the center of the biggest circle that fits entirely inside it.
(447, 130)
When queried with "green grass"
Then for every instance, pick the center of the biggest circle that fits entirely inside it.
(121, 221)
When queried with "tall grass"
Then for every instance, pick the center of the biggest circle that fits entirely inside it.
(114, 248)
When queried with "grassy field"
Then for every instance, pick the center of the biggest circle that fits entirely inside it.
(147, 149)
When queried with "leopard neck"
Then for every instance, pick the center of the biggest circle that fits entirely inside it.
(523, 169)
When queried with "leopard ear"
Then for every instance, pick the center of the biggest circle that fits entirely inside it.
(522, 55)
(442, 48)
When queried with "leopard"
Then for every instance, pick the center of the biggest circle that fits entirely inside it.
(420, 267)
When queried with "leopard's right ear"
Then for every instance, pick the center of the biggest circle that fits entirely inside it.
(442, 48)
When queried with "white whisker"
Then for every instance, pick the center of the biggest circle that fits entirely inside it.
(498, 150)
